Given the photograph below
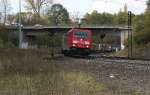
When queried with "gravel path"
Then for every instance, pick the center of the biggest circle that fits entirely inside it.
(122, 79)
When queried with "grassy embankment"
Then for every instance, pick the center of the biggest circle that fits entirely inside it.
(138, 52)
(28, 72)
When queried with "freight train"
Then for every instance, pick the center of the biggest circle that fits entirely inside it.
(77, 41)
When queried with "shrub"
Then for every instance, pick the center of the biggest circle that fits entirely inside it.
(8, 39)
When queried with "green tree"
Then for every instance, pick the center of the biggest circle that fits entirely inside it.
(122, 17)
(8, 39)
(99, 18)
(138, 24)
(58, 14)
(141, 29)
(107, 18)
(148, 4)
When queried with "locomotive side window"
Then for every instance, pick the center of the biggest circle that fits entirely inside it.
(81, 34)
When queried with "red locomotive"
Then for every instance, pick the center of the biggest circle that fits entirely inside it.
(77, 42)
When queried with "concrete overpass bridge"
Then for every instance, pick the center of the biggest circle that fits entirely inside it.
(119, 32)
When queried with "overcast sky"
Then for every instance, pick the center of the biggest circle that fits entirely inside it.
(84, 6)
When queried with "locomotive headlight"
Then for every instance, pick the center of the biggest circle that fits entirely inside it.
(75, 41)
(87, 43)
(87, 46)
(74, 45)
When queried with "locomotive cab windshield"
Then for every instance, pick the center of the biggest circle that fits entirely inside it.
(81, 34)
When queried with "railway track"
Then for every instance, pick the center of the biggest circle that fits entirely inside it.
(111, 59)
(101, 58)
(120, 72)
(131, 62)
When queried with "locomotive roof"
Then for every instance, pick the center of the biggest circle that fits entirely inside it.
(78, 29)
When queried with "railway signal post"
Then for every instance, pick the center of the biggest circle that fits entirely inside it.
(79, 23)
(20, 27)
(102, 36)
(130, 44)
(51, 34)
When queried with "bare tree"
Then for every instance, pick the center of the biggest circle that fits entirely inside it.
(0, 16)
(10, 18)
(5, 9)
(36, 5)
(76, 18)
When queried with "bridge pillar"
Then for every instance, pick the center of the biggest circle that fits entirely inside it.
(123, 38)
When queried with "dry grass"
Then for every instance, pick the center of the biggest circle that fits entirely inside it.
(137, 52)
(14, 61)
(27, 72)
(30, 72)
(83, 84)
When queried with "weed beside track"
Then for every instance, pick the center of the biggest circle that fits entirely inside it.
(34, 72)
